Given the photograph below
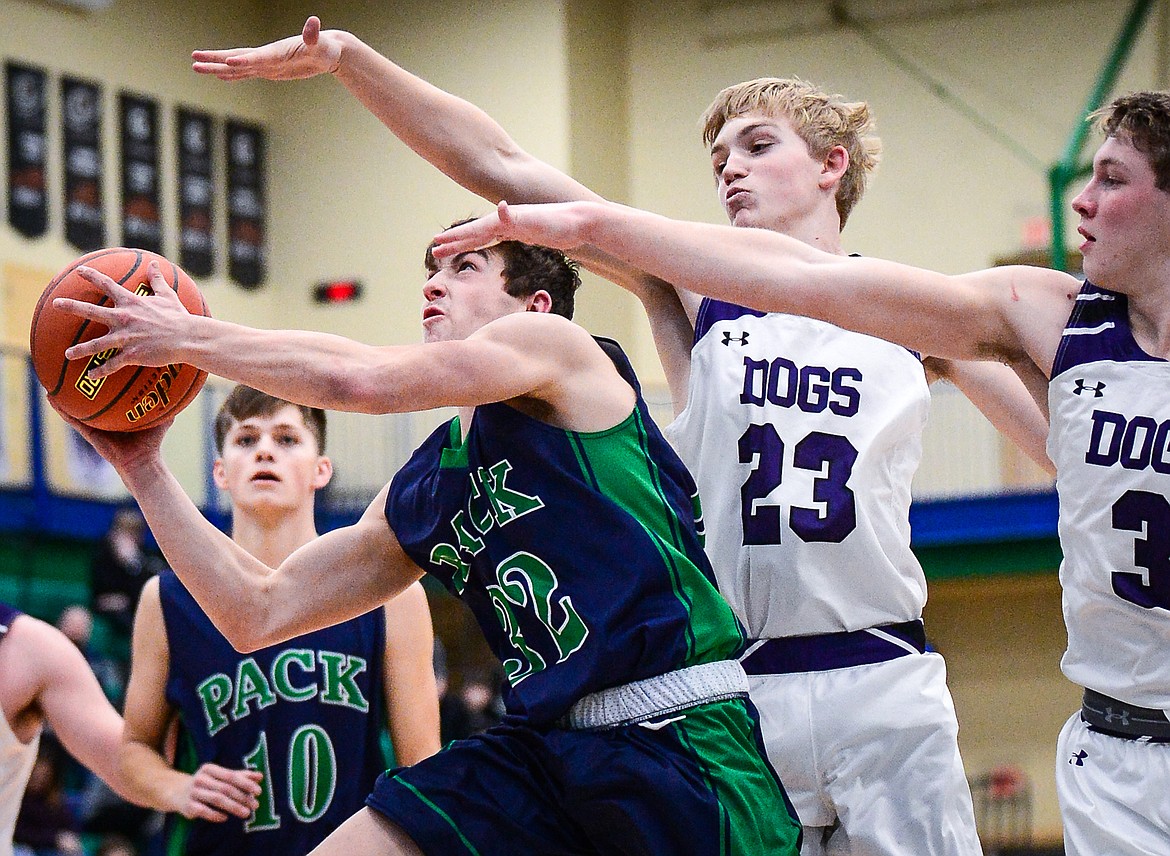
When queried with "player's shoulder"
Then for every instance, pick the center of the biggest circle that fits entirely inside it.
(39, 647)
(542, 334)
(525, 324)
(1027, 279)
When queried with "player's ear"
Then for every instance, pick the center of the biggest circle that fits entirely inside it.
(541, 301)
(323, 473)
(218, 474)
(833, 166)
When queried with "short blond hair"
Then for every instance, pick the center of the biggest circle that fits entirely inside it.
(820, 119)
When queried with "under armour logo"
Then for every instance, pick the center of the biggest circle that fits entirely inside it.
(1078, 758)
(728, 338)
(1080, 386)
(1122, 717)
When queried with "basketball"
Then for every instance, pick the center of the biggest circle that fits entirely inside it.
(134, 397)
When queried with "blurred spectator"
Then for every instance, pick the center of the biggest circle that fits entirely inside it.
(115, 845)
(118, 570)
(76, 622)
(476, 706)
(45, 825)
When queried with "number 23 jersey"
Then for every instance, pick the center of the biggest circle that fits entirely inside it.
(803, 439)
(1109, 406)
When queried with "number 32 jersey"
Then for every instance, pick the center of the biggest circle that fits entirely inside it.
(803, 439)
(1109, 405)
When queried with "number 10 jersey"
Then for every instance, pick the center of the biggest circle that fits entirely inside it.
(803, 439)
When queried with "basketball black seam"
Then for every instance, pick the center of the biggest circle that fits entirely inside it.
(85, 324)
(47, 296)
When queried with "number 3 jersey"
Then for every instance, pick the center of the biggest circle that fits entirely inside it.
(804, 438)
(1109, 408)
(577, 552)
(307, 713)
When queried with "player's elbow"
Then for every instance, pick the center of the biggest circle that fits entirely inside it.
(364, 390)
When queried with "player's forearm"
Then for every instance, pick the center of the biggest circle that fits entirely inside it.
(316, 369)
(150, 780)
(773, 272)
(454, 135)
(229, 584)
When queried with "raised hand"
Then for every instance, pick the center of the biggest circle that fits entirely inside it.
(144, 329)
(561, 225)
(122, 448)
(311, 53)
(214, 793)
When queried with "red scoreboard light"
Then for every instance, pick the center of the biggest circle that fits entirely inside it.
(337, 291)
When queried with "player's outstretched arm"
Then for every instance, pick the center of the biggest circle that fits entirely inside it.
(349, 570)
(328, 371)
(449, 132)
(1003, 313)
(213, 793)
(412, 697)
(456, 137)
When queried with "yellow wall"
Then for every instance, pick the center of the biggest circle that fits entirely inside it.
(1002, 639)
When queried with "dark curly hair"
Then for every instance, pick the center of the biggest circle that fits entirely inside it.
(529, 268)
(1142, 118)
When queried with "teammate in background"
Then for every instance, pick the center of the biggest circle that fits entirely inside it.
(305, 717)
(45, 679)
(1095, 356)
(803, 439)
(629, 728)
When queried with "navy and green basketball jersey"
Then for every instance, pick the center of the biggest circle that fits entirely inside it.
(307, 713)
(577, 552)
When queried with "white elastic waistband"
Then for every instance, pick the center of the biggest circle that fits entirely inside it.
(664, 694)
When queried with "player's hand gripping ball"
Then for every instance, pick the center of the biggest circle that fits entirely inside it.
(134, 397)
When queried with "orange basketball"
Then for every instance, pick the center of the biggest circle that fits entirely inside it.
(134, 397)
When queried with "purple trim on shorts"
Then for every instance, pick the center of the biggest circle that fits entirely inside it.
(827, 651)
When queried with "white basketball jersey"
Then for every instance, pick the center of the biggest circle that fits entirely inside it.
(1109, 406)
(803, 439)
(16, 761)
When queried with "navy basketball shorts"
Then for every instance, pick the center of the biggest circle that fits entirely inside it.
(693, 782)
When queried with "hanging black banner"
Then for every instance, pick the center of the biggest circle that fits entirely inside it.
(196, 249)
(141, 220)
(247, 260)
(28, 203)
(81, 119)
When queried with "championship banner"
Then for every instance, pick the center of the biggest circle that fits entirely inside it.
(196, 248)
(141, 220)
(81, 119)
(247, 256)
(28, 203)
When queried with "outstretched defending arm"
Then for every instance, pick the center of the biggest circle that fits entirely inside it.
(1012, 314)
(447, 131)
(468, 146)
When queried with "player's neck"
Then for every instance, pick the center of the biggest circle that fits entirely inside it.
(1147, 288)
(272, 537)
